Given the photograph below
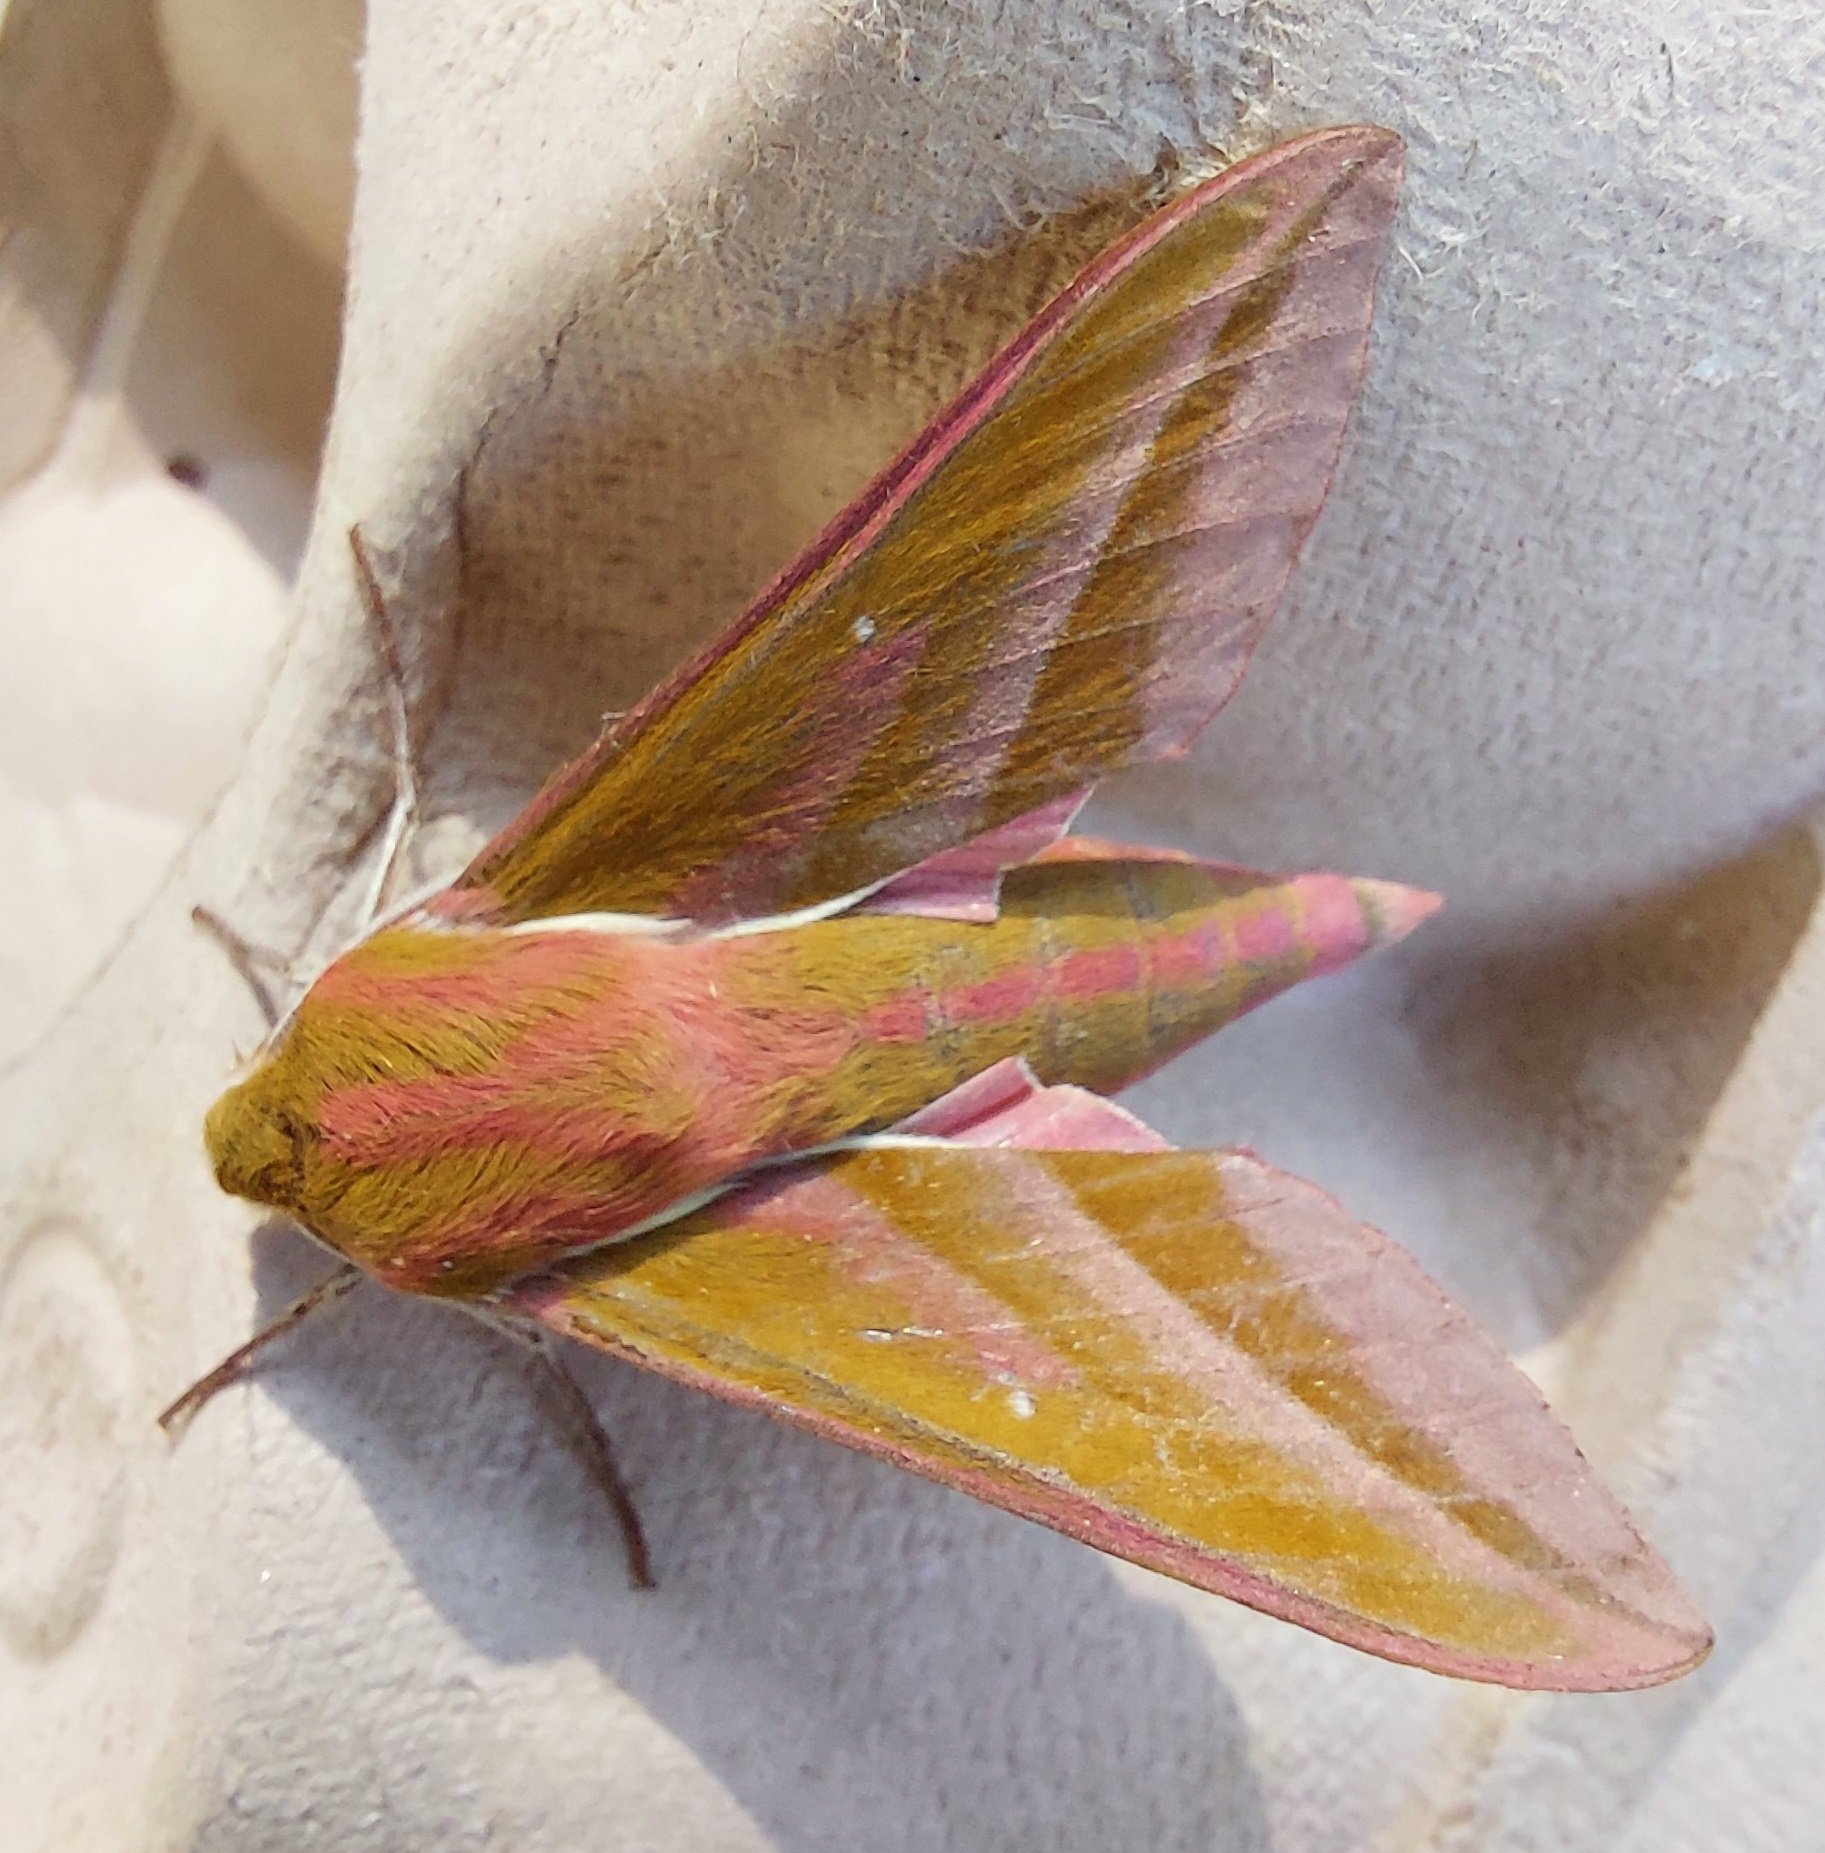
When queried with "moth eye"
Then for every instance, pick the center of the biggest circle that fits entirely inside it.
(254, 1147)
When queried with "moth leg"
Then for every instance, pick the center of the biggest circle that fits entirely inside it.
(325, 1293)
(565, 1399)
(404, 812)
(258, 965)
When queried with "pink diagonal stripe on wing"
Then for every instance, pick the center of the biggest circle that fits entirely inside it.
(1251, 1403)
(1443, 1377)
(941, 1301)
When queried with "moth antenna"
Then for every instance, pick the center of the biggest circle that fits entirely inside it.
(404, 812)
(257, 965)
(583, 1429)
(325, 1293)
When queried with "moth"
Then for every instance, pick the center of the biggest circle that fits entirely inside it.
(769, 1047)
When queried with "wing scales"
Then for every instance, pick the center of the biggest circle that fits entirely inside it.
(1064, 575)
(1185, 1358)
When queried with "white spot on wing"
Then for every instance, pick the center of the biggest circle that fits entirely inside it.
(882, 1334)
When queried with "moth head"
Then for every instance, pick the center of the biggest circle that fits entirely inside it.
(254, 1140)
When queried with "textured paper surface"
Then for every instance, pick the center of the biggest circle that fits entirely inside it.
(639, 295)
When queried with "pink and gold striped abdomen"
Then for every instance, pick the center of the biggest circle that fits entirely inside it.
(451, 1107)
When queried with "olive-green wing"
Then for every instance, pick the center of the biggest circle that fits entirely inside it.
(1063, 575)
(1188, 1359)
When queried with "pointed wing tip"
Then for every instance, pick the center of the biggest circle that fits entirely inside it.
(1672, 1658)
(1365, 142)
(1649, 1637)
(1686, 1653)
(1373, 140)
(1363, 145)
(1360, 155)
(1612, 1653)
(1671, 1636)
